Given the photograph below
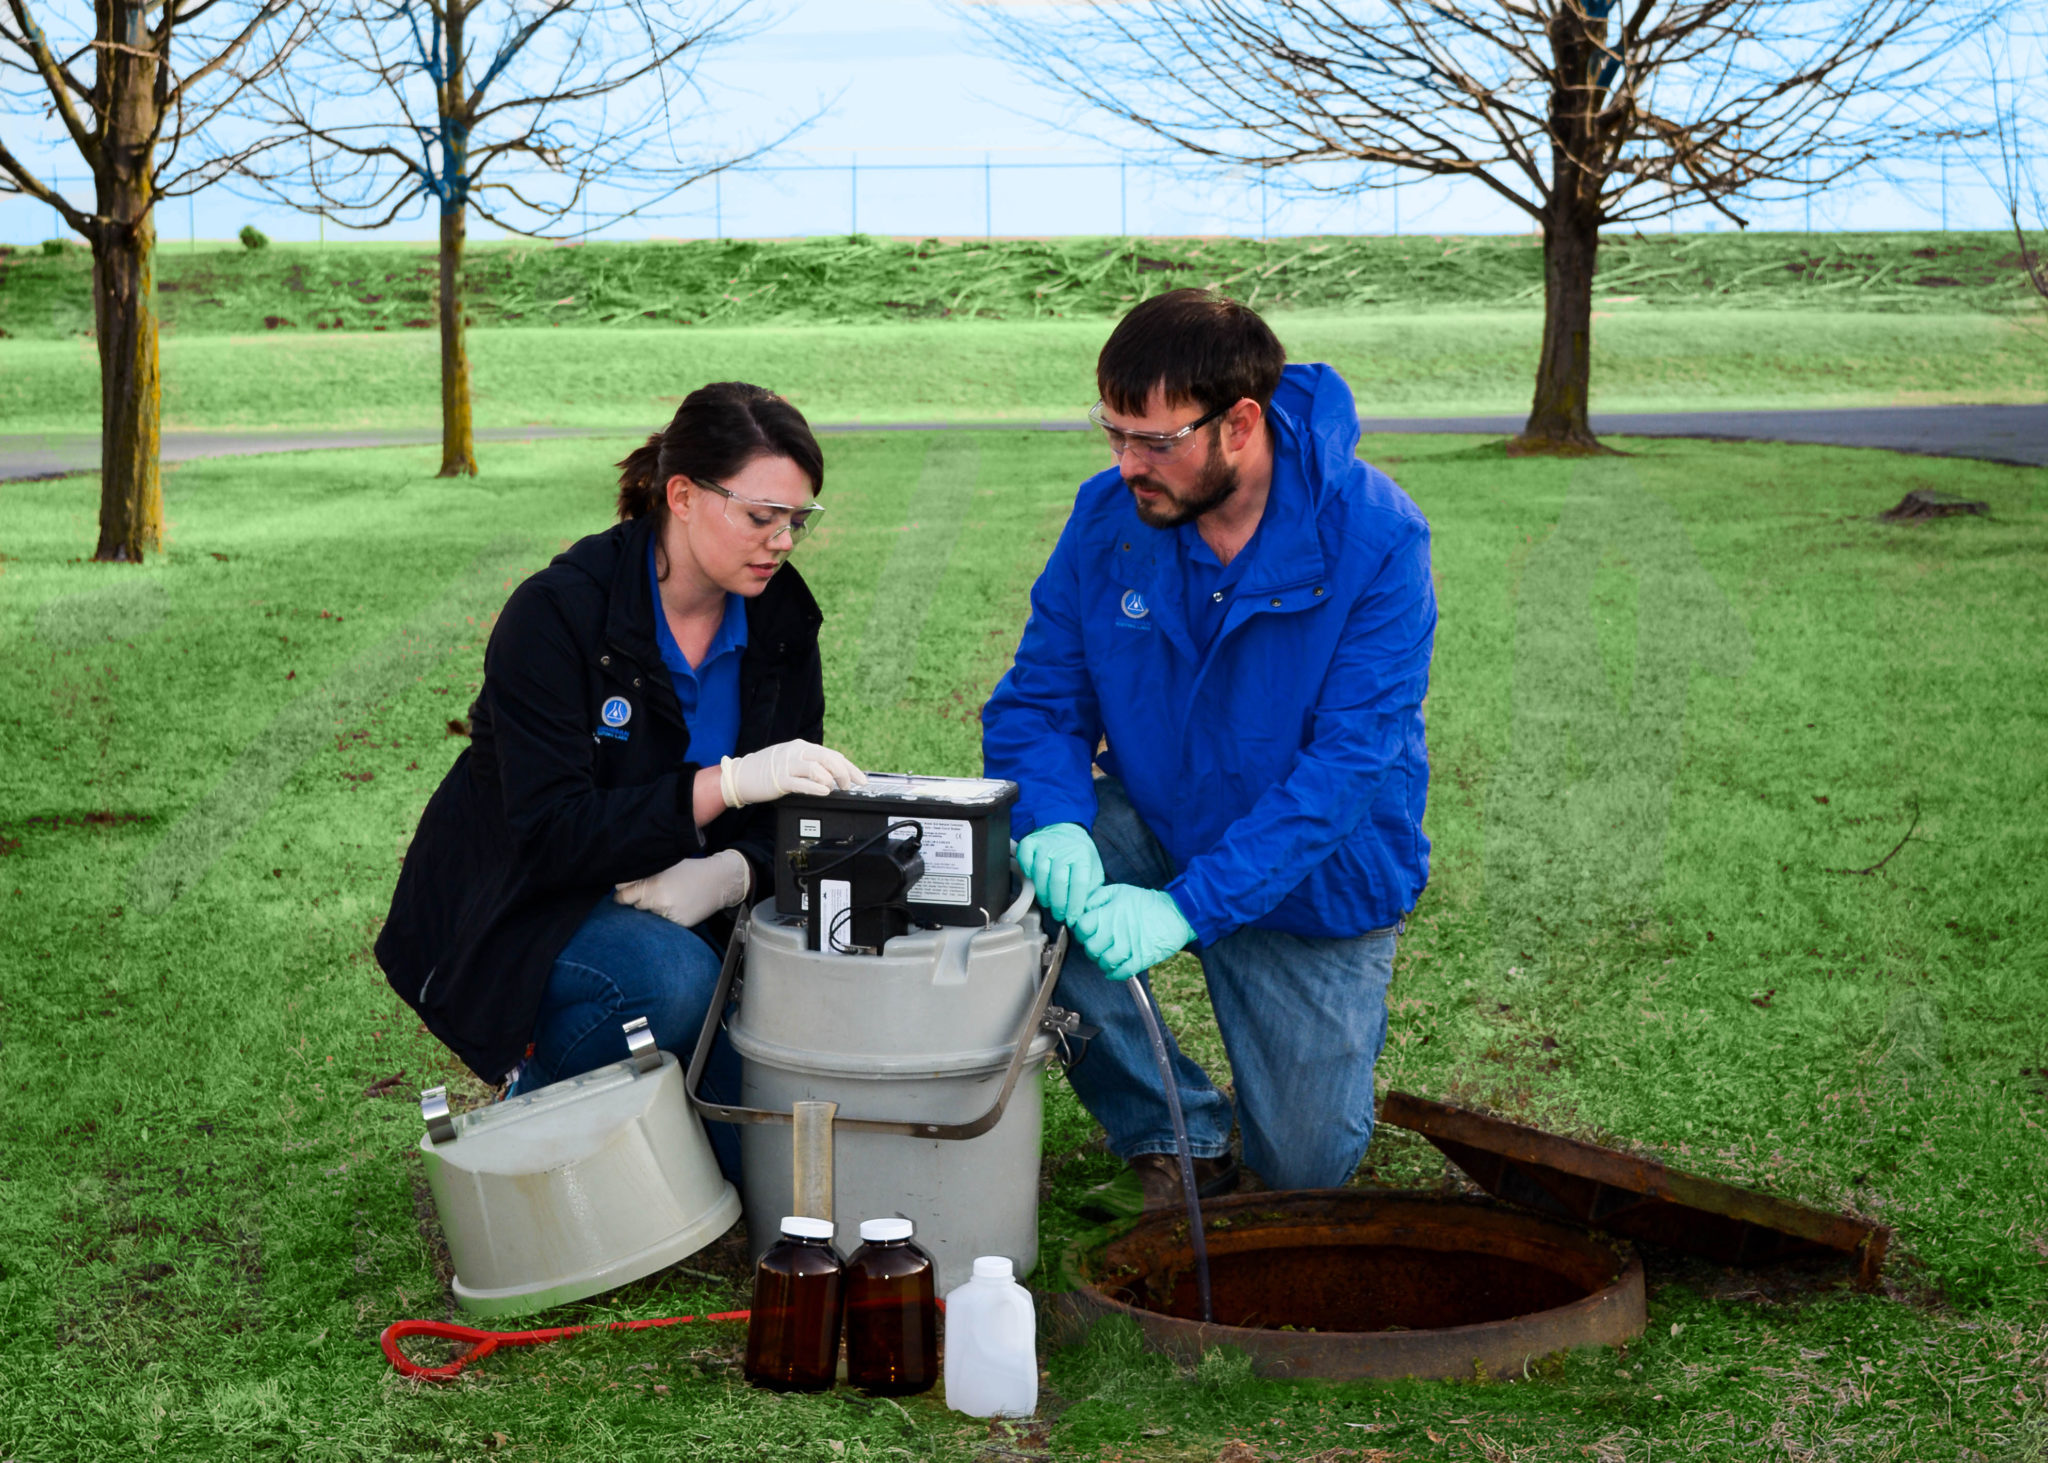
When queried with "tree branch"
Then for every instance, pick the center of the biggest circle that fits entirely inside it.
(58, 82)
(27, 182)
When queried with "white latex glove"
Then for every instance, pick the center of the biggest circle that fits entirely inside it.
(786, 767)
(692, 891)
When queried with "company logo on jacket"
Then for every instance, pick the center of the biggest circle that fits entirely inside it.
(615, 713)
(1134, 605)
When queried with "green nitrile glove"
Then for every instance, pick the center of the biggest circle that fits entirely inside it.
(1062, 863)
(1126, 929)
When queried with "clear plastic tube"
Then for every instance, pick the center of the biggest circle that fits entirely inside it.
(1180, 1137)
(810, 1151)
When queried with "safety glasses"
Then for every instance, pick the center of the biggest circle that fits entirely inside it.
(1152, 446)
(757, 518)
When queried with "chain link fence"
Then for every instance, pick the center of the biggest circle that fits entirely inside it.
(939, 193)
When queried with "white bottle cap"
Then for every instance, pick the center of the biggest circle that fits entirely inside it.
(885, 1229)
(993, 1267)
(796, 1226)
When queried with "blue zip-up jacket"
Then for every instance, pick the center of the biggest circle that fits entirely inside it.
(1284, 769)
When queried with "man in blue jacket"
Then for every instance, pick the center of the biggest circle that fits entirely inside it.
(1236, 626)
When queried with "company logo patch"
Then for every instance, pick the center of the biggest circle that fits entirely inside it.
(1134, 605)
(614, 715)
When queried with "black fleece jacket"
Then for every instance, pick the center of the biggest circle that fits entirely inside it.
(540, 817)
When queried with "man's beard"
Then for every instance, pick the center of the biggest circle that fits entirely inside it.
(1212, 489)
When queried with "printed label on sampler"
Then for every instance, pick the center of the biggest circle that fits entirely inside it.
(810, 828)
(942, 889)
(835, 924)
(948, 851)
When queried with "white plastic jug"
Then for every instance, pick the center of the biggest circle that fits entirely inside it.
(991, 1344)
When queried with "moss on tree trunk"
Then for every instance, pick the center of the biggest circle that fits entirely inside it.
(458, 446)
(124, 304)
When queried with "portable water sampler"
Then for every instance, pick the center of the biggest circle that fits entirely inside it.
(898, 987)
(890, 1006)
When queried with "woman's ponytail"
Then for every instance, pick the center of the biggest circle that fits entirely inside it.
(640, 479)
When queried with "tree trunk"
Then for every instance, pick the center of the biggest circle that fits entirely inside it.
(1557, 419)
(1580, 157)
(452, 101)
(458, 446)
(124, 298)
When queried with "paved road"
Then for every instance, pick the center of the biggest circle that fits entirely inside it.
(2013, 434)
(39, 455)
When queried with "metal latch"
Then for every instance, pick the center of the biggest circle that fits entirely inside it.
(434, 1108)
(640, 1047)
(1065, 1026)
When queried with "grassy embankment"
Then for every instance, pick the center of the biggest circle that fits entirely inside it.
(611, 335)
(1675, 696)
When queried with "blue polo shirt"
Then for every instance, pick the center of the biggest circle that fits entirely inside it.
(1208, 584)
(709, 692)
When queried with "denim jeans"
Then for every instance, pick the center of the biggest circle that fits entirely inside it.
(1303, 1021)
(622, 963)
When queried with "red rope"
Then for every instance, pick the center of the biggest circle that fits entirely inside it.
(483, 1343)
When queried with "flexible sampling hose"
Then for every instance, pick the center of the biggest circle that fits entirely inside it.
(1180, 1138)
(483, 1343)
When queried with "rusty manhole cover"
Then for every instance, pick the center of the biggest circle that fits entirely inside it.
(1635, 1197)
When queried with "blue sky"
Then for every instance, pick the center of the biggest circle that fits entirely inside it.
(925, 136)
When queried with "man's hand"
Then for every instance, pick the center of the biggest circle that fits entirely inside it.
(692, 891)
(1062, 862)
(1126, 929)
(786, 767)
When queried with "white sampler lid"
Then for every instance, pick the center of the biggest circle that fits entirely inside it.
(884, 1230)
(796, 1226)
(993, 1267)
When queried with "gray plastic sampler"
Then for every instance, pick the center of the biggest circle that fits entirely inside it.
(922, 1033)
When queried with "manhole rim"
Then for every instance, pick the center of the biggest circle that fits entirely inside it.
(1615, 1313)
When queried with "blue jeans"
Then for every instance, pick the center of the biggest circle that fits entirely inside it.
(1303, 1021)
(622, 963)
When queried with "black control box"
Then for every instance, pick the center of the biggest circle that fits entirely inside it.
(963, 838)
(852, 889)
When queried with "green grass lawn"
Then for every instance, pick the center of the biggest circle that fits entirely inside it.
(1675, 696)
(1398, 363)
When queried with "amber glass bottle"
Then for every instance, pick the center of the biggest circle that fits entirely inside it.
(892, 1312)
(793, 1332)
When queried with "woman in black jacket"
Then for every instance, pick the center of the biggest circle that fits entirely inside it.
(642, 696)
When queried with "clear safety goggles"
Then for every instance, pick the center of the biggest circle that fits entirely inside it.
(1153, 446)
(760, 519)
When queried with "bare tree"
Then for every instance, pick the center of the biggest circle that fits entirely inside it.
(512, 109)
(2017, 75)
(1583, 114)
(163, 72)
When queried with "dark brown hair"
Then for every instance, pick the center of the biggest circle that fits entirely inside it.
(717, 430)
(1196, 346)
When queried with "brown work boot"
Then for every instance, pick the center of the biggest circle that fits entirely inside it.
(1152, 1181)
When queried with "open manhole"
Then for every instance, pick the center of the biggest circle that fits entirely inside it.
(1355, 1283)
(1349, 1284)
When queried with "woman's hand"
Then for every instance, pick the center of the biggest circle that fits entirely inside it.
(786, 767)
(692, 891)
